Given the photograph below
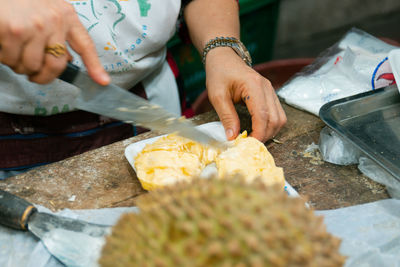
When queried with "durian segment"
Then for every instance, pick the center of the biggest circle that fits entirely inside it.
(216, 222)
(173, 142)
(250, 158)
(170, 159)
(162, 167)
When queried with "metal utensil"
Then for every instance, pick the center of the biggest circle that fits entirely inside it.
(371, 122)
(115, 102)
(73, 242)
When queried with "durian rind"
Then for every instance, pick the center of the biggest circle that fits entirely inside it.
(218, 222)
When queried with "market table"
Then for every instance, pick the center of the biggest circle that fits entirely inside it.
(103, 178)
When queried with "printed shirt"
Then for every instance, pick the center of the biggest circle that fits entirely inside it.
(130, 38)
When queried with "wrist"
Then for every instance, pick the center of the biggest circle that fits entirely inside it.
(222, 56)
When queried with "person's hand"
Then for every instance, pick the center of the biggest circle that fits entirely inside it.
(229, 80)
(30, 30)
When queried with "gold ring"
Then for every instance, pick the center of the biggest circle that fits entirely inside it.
(57, 50)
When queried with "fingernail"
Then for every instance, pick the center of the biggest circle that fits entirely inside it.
(105, 78)
(229, 133)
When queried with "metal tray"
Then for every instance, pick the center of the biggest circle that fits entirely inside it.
(370, 121)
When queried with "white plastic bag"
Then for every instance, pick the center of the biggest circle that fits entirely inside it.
(353, 65)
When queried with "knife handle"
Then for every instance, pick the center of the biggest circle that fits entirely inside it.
(15, 211)
(70, 73)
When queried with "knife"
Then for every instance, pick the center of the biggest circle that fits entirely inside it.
(73, 242)
(115, 102)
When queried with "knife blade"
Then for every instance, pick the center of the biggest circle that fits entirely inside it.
(115, 102)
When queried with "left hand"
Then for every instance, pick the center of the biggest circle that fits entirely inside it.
(230, 80)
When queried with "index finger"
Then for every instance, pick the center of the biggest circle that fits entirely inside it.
(80, 41)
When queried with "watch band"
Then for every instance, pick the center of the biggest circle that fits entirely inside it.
(232, 42)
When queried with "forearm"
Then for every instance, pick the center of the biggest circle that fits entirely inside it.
(207, 19)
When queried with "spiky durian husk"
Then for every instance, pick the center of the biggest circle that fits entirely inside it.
(220, 223)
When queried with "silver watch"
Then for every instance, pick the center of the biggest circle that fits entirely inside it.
(232, 42)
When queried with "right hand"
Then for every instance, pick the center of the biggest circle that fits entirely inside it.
(27, 27)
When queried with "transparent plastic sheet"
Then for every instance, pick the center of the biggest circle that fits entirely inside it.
(370, 169)
(336, 150)
(347, 68)
(370, 233)
(22, 249)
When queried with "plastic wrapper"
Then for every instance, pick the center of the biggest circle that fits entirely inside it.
(372, 170)
(335, 149)
(353, 65)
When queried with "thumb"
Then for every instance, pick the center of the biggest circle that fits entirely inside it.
(228, 116)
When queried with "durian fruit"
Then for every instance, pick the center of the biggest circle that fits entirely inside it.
(220, 222)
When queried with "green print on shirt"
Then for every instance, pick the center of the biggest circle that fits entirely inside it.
(110, 9)
(41, 111)
(144, 7)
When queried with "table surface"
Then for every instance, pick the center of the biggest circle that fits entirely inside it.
(103, 178)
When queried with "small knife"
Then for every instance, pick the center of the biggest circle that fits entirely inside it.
(115, 102)
(73, 242)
